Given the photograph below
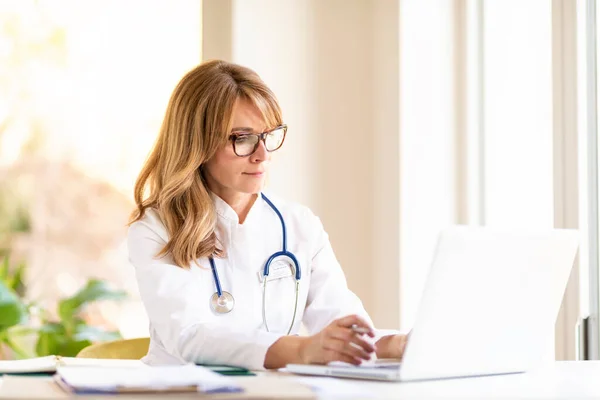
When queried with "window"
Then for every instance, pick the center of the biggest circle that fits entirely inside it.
(83, 89)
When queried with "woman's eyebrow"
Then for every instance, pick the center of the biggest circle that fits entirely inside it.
(242, 129)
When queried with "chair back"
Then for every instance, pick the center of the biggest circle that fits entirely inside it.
(125, 349)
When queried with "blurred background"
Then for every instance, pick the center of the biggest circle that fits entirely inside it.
(405, 117)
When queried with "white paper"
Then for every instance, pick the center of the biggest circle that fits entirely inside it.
(145, 378)
(50, 363)
(30, 365)
(99, 362)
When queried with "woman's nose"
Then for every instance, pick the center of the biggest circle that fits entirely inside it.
(261, 152)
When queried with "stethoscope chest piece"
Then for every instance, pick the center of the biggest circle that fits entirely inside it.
(222, 304)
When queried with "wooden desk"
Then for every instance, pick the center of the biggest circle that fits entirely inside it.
(560, 380)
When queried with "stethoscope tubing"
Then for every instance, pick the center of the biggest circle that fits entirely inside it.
(283, 253)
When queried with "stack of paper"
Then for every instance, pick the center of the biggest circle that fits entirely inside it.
(146, 379)
(30, 365)
(51, 363)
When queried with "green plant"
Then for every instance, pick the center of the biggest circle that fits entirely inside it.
(70, 334)
(12, 277)
(14, 211)
(13, 310)
(64, 336)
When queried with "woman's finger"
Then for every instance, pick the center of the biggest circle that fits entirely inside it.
(347, 335)
(347, 348)
(354, 320)
(345, 358)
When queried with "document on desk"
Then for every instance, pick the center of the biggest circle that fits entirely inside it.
(49, 364)
(175, 378)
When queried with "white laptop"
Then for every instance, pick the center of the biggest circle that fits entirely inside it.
(489, 307)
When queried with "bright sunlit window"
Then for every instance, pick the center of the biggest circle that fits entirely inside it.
(83, 89)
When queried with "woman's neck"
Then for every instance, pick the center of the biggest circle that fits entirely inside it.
(240, 202)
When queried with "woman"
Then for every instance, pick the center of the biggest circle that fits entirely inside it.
(203, 232)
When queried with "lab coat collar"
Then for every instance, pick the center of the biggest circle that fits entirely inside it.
(225, 211)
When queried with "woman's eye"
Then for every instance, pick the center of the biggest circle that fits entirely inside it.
(243, 139)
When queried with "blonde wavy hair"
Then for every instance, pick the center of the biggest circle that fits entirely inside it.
(196, 125)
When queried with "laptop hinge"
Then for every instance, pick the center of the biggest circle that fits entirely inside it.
(583, 338)
(587, 348)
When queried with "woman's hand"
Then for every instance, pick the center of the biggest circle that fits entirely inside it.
(338, 342)
(392, 346)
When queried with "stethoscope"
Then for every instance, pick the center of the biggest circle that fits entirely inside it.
(222, 302)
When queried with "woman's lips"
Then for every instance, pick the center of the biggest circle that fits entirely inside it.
(254, 174)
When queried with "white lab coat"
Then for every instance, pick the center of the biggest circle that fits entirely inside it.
(183, 327)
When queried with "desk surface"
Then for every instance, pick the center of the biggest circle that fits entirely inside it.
(560, 380)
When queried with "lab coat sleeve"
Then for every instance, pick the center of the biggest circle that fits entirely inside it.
(329, 297)
(177, 309)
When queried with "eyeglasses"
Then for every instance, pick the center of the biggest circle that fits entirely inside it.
(245, 144)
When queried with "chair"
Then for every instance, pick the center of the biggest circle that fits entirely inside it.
(126, 349)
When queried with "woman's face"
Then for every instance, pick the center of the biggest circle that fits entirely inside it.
(228, 174)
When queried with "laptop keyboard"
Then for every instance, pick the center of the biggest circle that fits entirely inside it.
(375, 365)
(384, 366)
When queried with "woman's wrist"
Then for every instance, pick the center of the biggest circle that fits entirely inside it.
(286, 350)
(302, 353)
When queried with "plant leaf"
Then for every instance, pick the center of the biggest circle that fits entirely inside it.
(4, 269)
(95, 334)
(16, 281)
(94, 290)
(51, 339)
(84, 336)
(54, 340)
(22, 330)
(72, 347)
(12, 309)
(16, 348)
